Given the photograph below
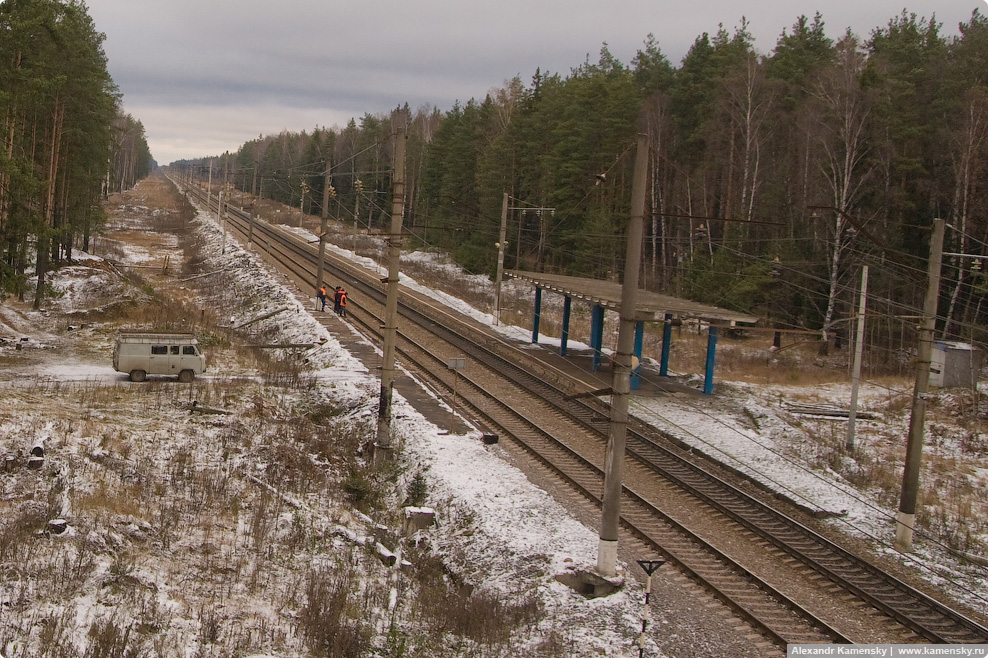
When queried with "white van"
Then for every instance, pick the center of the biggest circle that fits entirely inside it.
(140, 355)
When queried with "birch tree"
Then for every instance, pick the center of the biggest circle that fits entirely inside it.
(967, 155)
(843, 140)
(750, 102)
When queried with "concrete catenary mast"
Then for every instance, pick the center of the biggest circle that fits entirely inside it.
(621, 387)
(382, 447)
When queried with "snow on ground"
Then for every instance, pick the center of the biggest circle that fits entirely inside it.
(518, 523)
(509, 287)
(749, 429)
(519, 538)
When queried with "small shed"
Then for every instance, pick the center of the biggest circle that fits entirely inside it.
(954, 365)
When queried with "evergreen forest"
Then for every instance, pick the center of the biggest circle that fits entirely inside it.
(64, 141)
(772, 179)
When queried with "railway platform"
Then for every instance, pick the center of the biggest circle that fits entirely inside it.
(424, 401)
(579, 364)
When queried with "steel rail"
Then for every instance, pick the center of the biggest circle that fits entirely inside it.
(816, 552)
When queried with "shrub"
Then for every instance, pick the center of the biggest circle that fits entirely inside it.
(417, 490)
(326, 622)
(108, 640)
(360, 489)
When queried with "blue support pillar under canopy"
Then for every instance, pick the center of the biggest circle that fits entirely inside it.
(666, 344)
(538, 314)
(708, 377)
(567, 306)
(596, 334)
(636, 370)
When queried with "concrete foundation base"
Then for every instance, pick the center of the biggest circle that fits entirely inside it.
(589, 583)
(904, 524)
(381, 454)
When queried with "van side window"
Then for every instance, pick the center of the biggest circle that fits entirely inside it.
(159, 349)
(174, 349)
(189, 349)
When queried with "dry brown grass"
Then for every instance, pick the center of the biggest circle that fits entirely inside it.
(20, 523)
(330, 618)
(159, 495)
(951, 505)
(109, 501)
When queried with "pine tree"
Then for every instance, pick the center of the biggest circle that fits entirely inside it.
(56, 113)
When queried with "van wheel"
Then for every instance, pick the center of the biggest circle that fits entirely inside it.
(138, 375)
(186, 376)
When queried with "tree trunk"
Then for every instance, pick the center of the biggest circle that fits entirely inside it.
(973, 133)
(48, 204)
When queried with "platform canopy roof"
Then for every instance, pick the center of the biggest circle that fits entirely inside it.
(651, 306)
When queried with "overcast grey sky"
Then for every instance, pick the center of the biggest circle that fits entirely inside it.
(204, 76)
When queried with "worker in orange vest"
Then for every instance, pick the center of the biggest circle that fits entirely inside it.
(342, 310)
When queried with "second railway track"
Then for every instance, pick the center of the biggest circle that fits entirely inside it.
(783, 578)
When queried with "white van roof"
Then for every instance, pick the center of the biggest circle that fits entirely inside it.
(157, 338)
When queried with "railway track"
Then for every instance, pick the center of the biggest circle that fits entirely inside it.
(536, 407)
